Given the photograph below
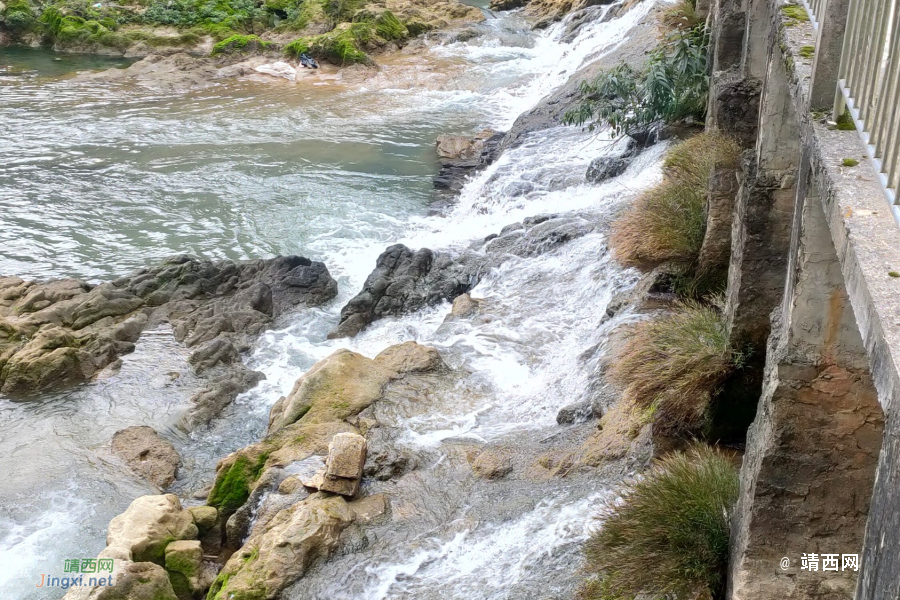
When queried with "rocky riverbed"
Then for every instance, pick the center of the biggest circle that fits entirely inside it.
(411, 412)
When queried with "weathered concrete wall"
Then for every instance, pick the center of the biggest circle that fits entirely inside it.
(813, 240)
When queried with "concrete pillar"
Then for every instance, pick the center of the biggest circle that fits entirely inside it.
(756, 39)
(813, 448)
(829, 42)
(761, 227)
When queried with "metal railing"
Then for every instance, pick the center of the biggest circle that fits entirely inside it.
(869, 84)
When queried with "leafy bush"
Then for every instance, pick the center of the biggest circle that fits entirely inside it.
(240, 43)
(668, 536)
(668, 221)
(673, 87)
(674, 363)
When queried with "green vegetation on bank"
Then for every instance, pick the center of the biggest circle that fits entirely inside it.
(668, 534)
(672, 87)
(667, 223)
(672, 365)
(344, 30)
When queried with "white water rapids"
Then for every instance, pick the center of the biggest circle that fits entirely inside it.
(60, 486)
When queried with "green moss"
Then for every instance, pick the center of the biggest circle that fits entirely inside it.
(19, 16)
(845, 122)
(795, 12)
(849, 162)
(893, 274)
(416, 27)
(217, 587)
(239, 44)
(231, 491)
(807, 51)
(340, 46)
(389, 27)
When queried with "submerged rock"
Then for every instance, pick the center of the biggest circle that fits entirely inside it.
(147, 454)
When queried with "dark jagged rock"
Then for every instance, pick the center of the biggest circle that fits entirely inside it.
(65, 331)
(405, 280)
(614, 163)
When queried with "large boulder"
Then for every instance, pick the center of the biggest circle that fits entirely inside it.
(133, 581)
(143, 531)
(277, 556)
(147, 454)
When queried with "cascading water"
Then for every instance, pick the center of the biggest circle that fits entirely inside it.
(103, 180)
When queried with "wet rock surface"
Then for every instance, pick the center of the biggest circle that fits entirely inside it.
(64, 332)
(405, 280)
(460, 156)
(147, 454)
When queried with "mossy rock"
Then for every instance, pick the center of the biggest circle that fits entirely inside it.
(19, 16)
(241, 44)
(233, 481)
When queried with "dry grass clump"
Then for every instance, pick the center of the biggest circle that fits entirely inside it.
(668, 535)
(673, 364)
(668, 221)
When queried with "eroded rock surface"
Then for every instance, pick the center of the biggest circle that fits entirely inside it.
(64, 332)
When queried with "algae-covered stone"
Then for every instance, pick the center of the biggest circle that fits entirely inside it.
(205, 517)
(149, 524)
(184, 566)
(279, 555)
(410, 357)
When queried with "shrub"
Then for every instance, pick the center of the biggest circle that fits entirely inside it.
(673, 87)
(674, 363)
(668, 536)
(682, 16)
(240, 43)
(668, 221)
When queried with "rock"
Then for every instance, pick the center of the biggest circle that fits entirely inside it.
(464, 306)
(149, 524)
(492, 464)
(278, 69)
(205, 517)
(63, 332)
(577, 412)
(385, 458)
(410, 357)
(283, 552)
(460, 156)
(615, 161)
(342, 384)
(346, 456)
(147, 454)
(507, 4)
(403, 281)
(461, 147)
(207, 403)
(184, 565)
(134, 581)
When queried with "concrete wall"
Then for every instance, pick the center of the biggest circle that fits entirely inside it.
(812, 245)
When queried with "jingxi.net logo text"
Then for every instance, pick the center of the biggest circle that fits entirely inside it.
(92, 572)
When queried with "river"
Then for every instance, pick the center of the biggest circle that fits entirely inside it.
(97, 180)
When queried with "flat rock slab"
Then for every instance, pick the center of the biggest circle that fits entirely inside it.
(147, 454)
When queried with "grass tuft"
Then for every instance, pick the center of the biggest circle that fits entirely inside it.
(795, 12)
(668, 222)
(807, 51)
(845, 122)
(849, 162)
(237, 44)
(674, 363)
(668, 535)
